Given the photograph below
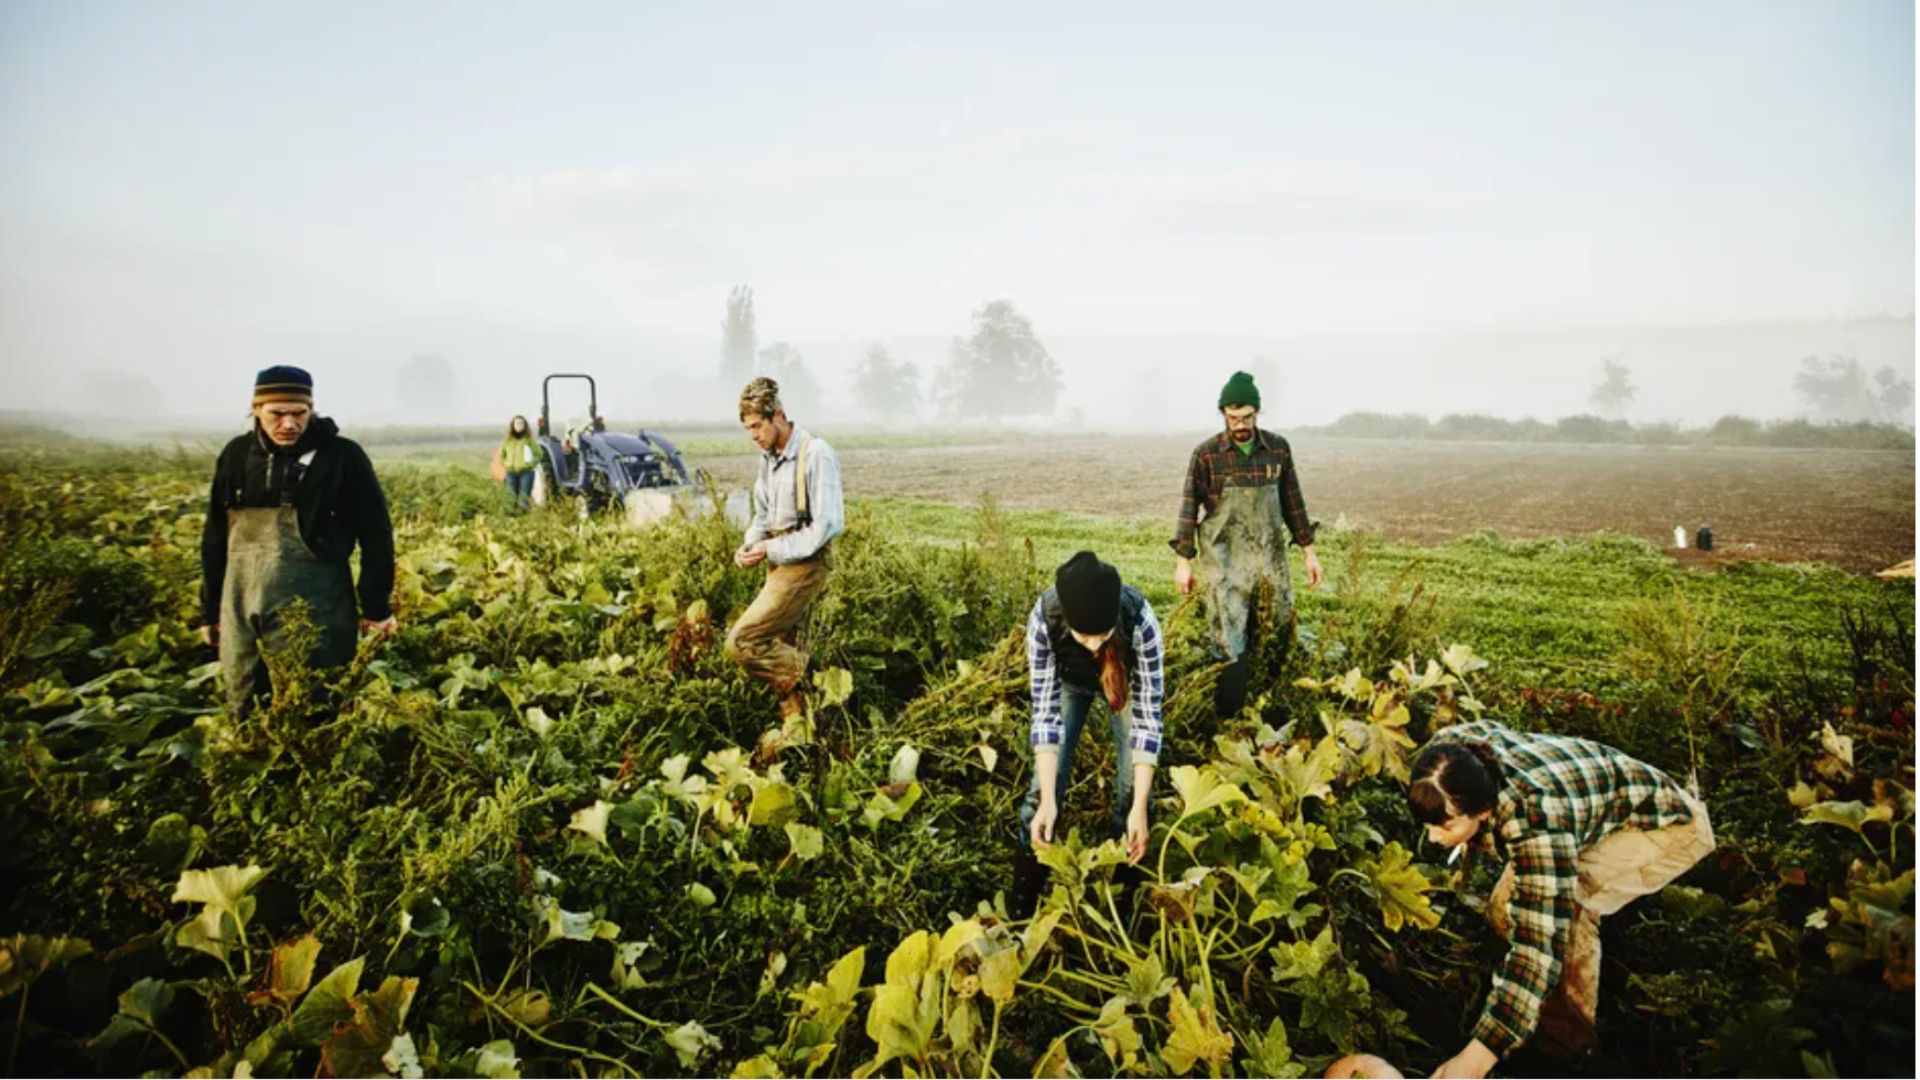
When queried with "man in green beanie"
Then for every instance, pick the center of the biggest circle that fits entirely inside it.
(1241, 487)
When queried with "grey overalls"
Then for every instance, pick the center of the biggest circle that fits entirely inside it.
(1242, 540)
(269, 565)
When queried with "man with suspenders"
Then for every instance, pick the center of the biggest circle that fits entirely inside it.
(291, 499)
(797, 511)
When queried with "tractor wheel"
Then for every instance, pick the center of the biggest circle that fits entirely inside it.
(599, 492)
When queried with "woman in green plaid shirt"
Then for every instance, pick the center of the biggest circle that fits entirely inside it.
(1584, 830)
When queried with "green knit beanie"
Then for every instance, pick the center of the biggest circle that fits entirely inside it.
(1239, 391)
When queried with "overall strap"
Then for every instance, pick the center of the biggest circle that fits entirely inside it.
(802, 516)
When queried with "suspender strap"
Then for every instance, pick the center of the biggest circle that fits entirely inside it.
(802, 516)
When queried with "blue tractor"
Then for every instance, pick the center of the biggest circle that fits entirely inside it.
(641, 473)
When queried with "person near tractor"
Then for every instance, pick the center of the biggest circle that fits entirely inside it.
(1584, 830)
(1241, 489)
(1089, 636)
(517, 459)
(797, 512)
(291, 499)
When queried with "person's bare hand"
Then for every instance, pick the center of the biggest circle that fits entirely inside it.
(1473, 1062)
(210, 635)
(750, 555)
(1041, 830)
(384, 627)
(1137, 833)
(1183, 575)
(1315, 575)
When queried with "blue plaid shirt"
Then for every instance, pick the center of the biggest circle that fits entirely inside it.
(1143, 701)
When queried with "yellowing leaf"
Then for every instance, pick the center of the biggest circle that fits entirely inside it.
(592, 821)
(289, 972)
(957, 937)
(989, 757)
(773, 804)
(1196, 1037)
(805, 840)
(1460, 660)
(690, 1043)
(999, 974)
(835, 686)
(911, 959)
(1400, 889)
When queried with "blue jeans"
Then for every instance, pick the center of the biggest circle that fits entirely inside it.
(520, 485)
(1074, 705)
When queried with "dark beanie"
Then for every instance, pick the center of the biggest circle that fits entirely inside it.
(282, 382)
(1239, 391)
(1089, 592)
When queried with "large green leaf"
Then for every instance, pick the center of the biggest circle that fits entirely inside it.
(1147, 982)
(226, 908)
(1271, 1054)
(328, 1003)
(774, 804)
(1853, 815)
(1201, 789)
(1118, 1035)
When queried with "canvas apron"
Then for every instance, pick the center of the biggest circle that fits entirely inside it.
(269, 565)
(1242, 540)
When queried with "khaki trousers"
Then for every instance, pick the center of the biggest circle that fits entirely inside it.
(1624, 866)
(766, 639)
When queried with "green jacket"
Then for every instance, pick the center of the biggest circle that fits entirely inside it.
(519, 455)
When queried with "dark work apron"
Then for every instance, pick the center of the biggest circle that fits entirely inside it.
(1242, 540)
(269, 565)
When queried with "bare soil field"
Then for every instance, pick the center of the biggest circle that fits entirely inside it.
(1849, 508)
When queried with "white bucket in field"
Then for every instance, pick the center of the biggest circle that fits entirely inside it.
(645, 507)
(1680, 536)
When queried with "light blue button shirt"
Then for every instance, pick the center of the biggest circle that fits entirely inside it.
(773, 500)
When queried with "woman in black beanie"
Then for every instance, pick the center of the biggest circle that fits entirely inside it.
(1089, 635)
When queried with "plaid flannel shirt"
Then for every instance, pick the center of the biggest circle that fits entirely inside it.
(1562, 795)
(1143, 700)
(1217, 465)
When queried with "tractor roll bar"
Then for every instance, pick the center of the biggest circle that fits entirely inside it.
(593, 398)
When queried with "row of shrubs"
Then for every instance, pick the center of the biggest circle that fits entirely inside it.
(1586, 428)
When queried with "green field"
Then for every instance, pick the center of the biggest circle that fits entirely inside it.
(551, 825)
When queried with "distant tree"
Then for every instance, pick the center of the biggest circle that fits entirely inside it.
(1837, 388)
(783, 364)
(886, 388)
(1615, 390)
(738, 338)
(1001, 370)
(1895, 396)
(425, 388)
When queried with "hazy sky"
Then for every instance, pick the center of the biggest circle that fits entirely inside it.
(216, 186)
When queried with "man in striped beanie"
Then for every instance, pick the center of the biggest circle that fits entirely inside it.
(291, 500)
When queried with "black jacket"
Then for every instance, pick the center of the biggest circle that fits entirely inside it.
(337, 497)
(1075, 665)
